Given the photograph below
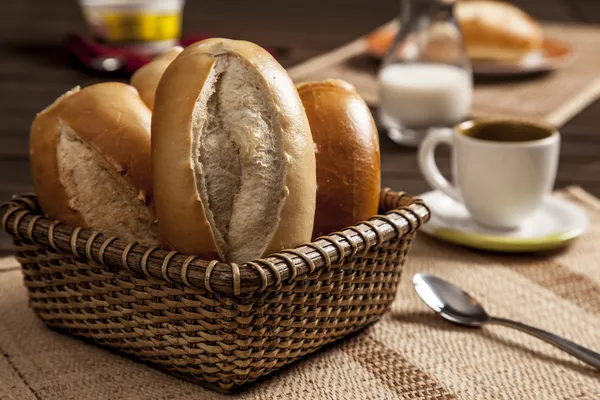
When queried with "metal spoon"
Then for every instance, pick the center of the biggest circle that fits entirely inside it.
(459, 307)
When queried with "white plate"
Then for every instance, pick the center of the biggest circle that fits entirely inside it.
(554, 225)
(555, 54)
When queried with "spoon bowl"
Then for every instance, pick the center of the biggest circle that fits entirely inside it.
(453, 303)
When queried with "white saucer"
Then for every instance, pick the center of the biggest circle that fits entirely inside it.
(554, 225)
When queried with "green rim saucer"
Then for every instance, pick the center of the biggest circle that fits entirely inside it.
(556, 224)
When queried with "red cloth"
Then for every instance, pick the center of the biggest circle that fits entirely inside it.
(87, 50)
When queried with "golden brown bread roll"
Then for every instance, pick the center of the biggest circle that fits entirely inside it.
(493, 30)
(146, 79)
(347, 153)
(90, 161)
(233, 158)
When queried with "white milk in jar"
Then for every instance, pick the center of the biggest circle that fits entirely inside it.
(421, 96)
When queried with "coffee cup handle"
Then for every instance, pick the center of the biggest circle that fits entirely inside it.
(429, 167)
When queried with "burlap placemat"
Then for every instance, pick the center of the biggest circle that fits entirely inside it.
(410, 354)
(554, 98)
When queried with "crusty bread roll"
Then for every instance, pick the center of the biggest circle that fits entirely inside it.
(495, 30)
(146, 79)
(347, 153)
(492, 30)
(90, 161)
(233, 158)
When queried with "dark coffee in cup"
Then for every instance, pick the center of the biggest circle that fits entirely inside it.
(507, 131)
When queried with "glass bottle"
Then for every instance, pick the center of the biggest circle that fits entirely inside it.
(425, 79)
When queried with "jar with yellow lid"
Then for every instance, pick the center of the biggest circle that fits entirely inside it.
(149, 26)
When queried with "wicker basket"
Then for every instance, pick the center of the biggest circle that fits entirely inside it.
(220, 325)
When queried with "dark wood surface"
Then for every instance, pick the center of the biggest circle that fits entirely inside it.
(35, 69)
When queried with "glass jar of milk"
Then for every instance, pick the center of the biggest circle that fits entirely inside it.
(425, 79)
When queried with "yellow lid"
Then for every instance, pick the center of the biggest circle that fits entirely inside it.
(140, 26)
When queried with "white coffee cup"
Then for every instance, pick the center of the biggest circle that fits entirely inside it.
(502, 169)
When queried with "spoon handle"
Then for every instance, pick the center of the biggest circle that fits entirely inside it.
(577, 351)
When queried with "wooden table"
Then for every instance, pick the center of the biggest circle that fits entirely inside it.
(35, 69)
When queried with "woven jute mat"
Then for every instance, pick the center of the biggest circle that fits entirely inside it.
(554, 98)
(410, 354)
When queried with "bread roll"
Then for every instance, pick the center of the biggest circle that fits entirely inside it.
(233, 158)
(495, 30)
(146, 79)
(347, 153)
(90, 161)
(492, 30)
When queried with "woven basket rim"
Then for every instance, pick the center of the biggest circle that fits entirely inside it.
(22, 218)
